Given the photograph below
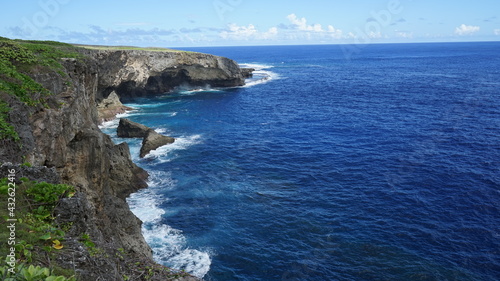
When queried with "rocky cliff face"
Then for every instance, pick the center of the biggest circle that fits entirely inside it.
(133, 73)
(65, 137)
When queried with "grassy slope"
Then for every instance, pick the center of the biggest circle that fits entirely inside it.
(152, 49)
(19, 59)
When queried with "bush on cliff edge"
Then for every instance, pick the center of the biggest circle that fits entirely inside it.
(38, 239)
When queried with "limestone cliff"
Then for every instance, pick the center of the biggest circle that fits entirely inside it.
(64, 135)
(132, 73)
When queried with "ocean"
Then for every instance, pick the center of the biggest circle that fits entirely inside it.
(369, 162)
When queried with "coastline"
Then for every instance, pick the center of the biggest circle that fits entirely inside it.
(151, 216)
(59, 130)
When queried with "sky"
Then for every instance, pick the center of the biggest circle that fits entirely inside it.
(193, 23)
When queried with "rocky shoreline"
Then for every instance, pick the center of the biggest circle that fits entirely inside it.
(64, 138)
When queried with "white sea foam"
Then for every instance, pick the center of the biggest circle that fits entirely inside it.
(144, 105)
(109, 124)
(161, 180)
(144, 204)
(113, 124)
(193, 261)
(167, 152)
(126, 113)
(168, 244)
(169, 248)
(261, 74)
(189, 92)
(256, 66)
(161, 130)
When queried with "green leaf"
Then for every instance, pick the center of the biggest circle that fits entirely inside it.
(60, 278)
(46, 236)
(45, 271)
(56, 278)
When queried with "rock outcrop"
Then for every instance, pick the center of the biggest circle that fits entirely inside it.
(130, 129)
(109, 107)
(152, 141)
(63, 135)
(247, 72)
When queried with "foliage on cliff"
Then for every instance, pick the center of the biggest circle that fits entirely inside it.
(38, 239)
(45, 244)
(19, 59)
(121, 48)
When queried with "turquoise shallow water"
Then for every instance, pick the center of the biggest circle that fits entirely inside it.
(382, 166)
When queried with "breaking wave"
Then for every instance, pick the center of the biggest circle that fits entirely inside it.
(261, 74)
(168, 244)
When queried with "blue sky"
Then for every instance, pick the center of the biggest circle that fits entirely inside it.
(250, 22)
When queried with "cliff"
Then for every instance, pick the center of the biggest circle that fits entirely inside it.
(61, 132)
(135, 73)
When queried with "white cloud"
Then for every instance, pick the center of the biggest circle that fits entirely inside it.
(496, 31)
(334, 33)
(301, 24)
(273, 31)
(132, 24)
(403, 34)
(249, 32)
(466, 29)
(239, 32)
(375, 35)
(312, 31)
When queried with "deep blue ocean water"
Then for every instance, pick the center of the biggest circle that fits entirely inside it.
(375, 163)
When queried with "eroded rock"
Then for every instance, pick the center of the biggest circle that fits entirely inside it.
(109, 107)
(130, 129)
(152, 141)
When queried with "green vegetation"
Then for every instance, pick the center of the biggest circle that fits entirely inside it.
(32, 273)
(7, 131)
(153, 49)
(38, 240)
(90, 245)
(148, 271)
(18, 60)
